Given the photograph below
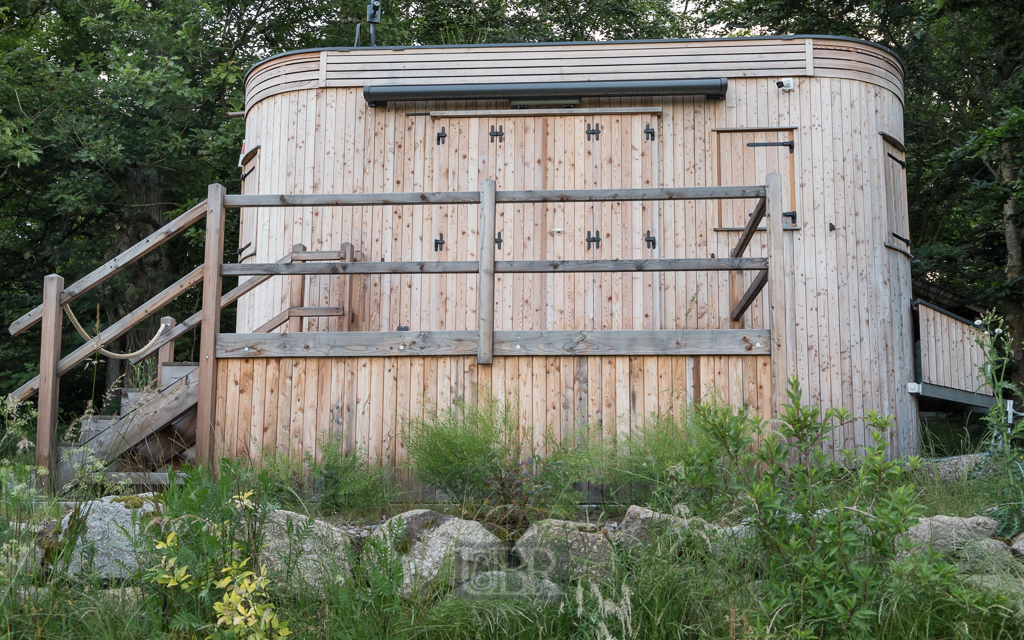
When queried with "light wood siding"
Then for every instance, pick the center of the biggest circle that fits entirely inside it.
(848, 295)
(951, 352)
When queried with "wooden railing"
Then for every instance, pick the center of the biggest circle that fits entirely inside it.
(484, 342)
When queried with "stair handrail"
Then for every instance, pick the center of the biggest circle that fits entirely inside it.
(115, 265)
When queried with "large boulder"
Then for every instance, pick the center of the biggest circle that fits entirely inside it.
(435, 548)
(642, 526)
(949, 533)
(509, 585)
(304, 551)
(107, 532)
(1017, 546)
(563, 550)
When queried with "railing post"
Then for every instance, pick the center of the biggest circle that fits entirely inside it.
(166, 351)
(485, 279)
(206, 408)
(296, 294)
(49, 381)
(777, 267)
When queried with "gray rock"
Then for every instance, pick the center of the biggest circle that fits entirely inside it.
(512, 585)
(984, 555)
(642, 526)
(955, 467)
(1009, 586)
(1017, 545)
(436, 548)
(562, 550)
(948, 533)
(315, 553)
(106, 544)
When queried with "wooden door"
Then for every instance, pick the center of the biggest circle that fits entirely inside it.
(897, 222)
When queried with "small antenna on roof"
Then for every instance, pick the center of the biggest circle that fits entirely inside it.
(373, 17)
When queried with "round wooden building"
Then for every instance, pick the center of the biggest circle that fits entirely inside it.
(642, 255)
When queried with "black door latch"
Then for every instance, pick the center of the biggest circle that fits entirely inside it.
(499, 134)
(596, 131)
(594, 238)
(652, 242)
(441, 136)
(498, 240)
(439, 243)
(649, 133)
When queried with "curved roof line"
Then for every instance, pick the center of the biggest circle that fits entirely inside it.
(580, 42)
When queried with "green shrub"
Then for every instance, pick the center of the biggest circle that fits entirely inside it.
(483, 458)
(348, 481)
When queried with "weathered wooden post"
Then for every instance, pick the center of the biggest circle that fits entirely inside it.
(485, 286)
(166, 351)
(296, 294)
(777, 266)
(49, 381)
(206, 409)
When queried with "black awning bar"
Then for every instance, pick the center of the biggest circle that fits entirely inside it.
(380, 95)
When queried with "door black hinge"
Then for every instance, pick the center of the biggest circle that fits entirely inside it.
(596, 131)
(649, 133)
(499, 134)
(652, 242)
(498, 240)
(787, 143)
(441, 136)
(790, 214)
(594, 238)
(439, 243)
(246, 174)
(898, 161)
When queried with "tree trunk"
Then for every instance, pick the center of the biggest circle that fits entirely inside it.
(1014, 310)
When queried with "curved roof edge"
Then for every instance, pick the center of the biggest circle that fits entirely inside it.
(581, 42)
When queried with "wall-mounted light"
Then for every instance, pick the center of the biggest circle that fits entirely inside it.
(786, 84)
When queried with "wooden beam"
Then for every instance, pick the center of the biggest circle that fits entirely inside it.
(206, 411)
(347, 344)
(613, 266)
(506, 343)
(274, 322)
(534, 112)
(473, 197)
(315, 312)
(49, 380)
(778, 303)
(748, 297)
(117, 329)
(313, 256)
(337, 268)
(750, 229)
(148, 244)
(686, 342)
(166, 351)
(628, 195)
(353, 199)
(197, 318)
(296, 291)
(485, 281)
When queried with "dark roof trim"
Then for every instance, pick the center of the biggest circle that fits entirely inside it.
(582, 42)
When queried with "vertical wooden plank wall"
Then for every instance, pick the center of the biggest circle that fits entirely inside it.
(850, 341)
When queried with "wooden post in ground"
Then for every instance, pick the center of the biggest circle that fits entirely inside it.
(206, 409)
(777, 266)
(485, 286)
(166, 351)
(49, 381)
(296, 294)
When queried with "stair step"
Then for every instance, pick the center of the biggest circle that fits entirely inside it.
(92, 426)
(171, 372)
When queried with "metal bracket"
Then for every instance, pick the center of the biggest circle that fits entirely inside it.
(913, 387)
(898, 161)
(499, 134)
(403, 327)
(241, 249)
(652, 242)
(246, 174)
(439, 243)
(905, 241)
(649, 133)
(596, 131)
(594, 238)
(243, 258)
(787, 143)
(441, 136)
(790, 214)
(498, 240)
